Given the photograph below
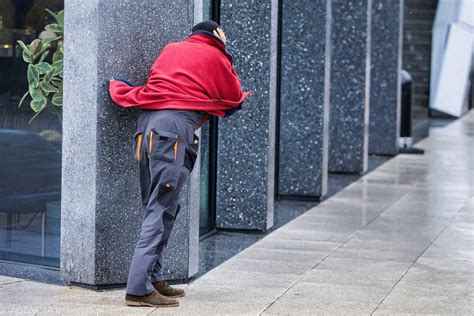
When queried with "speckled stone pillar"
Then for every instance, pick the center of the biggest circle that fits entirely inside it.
(304, 105)
(246, 157)
(350, 82)
(386, 60)
(101, 206)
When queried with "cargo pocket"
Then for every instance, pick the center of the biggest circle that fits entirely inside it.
(162, 145)
(168, 185)
(137, 145)
(191, 153)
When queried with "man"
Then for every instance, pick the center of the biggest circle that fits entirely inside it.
(189, 81)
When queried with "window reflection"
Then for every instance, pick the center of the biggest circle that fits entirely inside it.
(30, 153)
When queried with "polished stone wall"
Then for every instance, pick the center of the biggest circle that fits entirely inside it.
(386, 63)
(101, 207)
(350, 82)
(246, 142)
(304, 105)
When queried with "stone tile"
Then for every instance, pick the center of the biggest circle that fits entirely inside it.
(266, 266)
(307, 298)
(428, 299)
(203, 308)
(311, 235)
(297, 245)
(247, 278)
(92, 310)
(231, 293)
(281, 255)
(357, 272)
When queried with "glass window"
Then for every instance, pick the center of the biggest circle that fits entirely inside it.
(30, 152)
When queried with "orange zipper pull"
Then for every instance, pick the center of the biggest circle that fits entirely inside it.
(149, 142)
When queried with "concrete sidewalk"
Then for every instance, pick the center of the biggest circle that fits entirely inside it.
(399, 240)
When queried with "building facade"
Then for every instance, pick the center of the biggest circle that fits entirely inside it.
(69, 191)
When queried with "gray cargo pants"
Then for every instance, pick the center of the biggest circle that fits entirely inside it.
(166, 150)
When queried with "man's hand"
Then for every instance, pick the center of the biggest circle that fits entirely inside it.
(220, 33)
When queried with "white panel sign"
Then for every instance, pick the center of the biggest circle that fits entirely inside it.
(454, 73)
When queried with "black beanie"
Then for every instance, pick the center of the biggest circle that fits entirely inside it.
(208, 26)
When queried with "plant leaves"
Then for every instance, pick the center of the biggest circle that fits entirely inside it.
(60, 17)
(58, 55)
(35, 93)
(43, 68)
(56, 28)
(40, 52)
(57, 82)
(48, 41)
(35, 47)
(48, 87)
(43, 56)
(58, 68)
(54, 15)
(38, 105)
(22, 45)
(57, 99)
(27, 57)
(33, 76)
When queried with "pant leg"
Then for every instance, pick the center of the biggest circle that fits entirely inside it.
(168, 222)
(166, 181)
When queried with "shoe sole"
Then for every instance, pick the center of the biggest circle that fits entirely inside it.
(140, 304)
(174, 296)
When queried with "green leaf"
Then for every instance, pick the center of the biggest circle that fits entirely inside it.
(43, 56)
(57, 82)
(23, 45)
(56, 28)
(43, 68)
(35, 47)
(48, 87)
(57, 99)
(44, 49)
(58, 68)
(33, 76)
(54, 15)
(23, 98)
(48, 76)
(38, 105)
(61, 49)
(58, 55)
(27, 57)
(60, 17)
(48, 41)
(35, 93)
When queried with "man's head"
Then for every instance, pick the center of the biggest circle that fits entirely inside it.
(208, 26)
(211, 27)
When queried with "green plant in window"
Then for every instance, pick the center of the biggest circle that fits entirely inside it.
(45, 79)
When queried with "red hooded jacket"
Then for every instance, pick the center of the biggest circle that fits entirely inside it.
(194, 74)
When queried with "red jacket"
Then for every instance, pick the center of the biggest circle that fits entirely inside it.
(195, 74)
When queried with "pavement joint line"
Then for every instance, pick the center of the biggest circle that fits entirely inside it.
(13, 282)
(411, 265)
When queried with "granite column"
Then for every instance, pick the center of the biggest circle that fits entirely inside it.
(350, 82)
(246, 141)
(101, 206)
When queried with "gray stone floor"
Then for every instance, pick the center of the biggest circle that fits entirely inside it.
(400, 240)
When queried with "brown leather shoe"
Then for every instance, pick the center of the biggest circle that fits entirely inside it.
(154, 299)
(165, 289)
